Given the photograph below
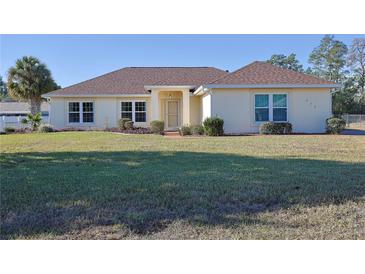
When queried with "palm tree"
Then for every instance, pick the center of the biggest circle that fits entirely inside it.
(28, 80)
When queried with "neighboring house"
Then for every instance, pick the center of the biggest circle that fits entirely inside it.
(20, 109)
(11, 113)
(179, 96)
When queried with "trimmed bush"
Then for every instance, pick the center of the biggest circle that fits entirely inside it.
(335, 125)
(185, 130)
(213, 126)
(9, 130)
(157, 126)
(122, 122)
(197, 130)
(128, 125)
(275, 128)
(45, 128)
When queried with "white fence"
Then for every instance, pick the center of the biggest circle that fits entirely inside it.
(354, 119)
(16, 122)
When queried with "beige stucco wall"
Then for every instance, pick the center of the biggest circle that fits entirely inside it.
(195, 110)
(107, 111)
(307, 108)
(206, 106)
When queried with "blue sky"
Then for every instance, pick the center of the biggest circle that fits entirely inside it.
(75, 58)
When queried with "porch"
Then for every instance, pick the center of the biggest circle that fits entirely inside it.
(171, 105)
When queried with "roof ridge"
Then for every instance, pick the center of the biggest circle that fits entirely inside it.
(298, 72)
(174, 67)
(180, 67)
(233, 72)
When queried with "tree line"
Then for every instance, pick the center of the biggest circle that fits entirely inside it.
(334, 61)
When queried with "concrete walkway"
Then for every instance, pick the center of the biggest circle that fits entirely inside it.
(172, 134)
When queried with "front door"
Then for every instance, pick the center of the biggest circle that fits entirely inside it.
(172, 114)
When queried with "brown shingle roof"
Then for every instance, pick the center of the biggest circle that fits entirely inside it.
(132, 80)
(264, 73)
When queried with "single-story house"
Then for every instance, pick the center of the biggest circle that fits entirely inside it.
(244, 98)
(20, 109)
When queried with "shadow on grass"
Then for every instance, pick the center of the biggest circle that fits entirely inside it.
(353, 131)
(144, 191)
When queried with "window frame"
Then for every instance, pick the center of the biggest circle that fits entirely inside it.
(286, 107)
(69, 112)
(121, 108)
(83, 112)
(134, 109)
(268, 107)
(80, 112)
(271, 106)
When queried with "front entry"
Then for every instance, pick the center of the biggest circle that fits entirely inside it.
(172, 114)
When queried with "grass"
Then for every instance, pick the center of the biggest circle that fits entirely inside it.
(99, 185)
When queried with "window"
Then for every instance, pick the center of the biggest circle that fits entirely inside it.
(74, 112)
(262, 107)
(140, 111)
(279, 108)
(87, 112)
(80, 112)
(271, 107)
(134, 110)
(127, 110)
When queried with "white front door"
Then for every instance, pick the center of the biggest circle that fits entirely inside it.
(172, 114)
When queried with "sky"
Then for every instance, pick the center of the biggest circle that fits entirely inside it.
(75, 58)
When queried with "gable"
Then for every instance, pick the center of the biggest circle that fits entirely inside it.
(262, 73)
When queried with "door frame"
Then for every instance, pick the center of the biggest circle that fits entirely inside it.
(167, 113)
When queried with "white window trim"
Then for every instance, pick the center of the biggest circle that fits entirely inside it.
(271, 107)
(134, 109)
(121, 109)
(80, 112)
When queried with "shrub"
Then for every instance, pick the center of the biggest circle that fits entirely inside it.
(185, 130)
(157, 126)
(72, 129)
(9, 130)
(45, 128)
(135, 130)
(122, 122)
(197, 130)
(213, 126)
(335, 125)
(275, 128)
(128, 125)
(23, 130)
(33, 120)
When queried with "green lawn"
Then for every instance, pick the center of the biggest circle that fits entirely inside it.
(99, 185)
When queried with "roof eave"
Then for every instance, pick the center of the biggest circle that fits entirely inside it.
(168, 87)
(274, 86)
(96, 95)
